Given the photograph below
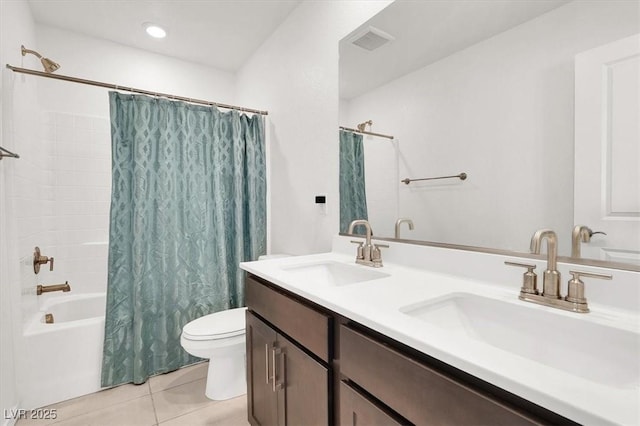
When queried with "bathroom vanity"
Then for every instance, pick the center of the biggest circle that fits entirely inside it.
(331, 342)
(374, 380)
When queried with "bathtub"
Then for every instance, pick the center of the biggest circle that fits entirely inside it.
(63, 360)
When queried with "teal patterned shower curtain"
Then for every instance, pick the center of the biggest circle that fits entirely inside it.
(353, 198)
(188, 204)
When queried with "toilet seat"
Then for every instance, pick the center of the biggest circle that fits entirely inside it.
(219, 325)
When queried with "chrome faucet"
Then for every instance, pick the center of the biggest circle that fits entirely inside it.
(400, 222)
(580, 234)
(551, 277)
(575, 300)
(368, 254)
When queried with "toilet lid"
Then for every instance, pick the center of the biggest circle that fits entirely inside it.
(218, 325)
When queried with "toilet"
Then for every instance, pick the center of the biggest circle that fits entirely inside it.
(220, 338)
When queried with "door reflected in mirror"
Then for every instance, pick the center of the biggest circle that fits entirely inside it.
(495, 89)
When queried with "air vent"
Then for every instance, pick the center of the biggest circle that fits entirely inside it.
(371, 39)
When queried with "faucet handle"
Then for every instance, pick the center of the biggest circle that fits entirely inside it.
(360, 254)
(376, 255)
(39, 259)
(375, 252)
(529, 278)
(575, 293)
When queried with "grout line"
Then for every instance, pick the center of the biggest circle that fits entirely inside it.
(153, 403)
(180, 384)
(209, 402)
(97, 410)
(190, 412)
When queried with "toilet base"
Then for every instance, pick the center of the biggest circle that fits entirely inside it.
(226, 377)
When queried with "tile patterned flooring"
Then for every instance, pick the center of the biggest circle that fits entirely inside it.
(173, 399)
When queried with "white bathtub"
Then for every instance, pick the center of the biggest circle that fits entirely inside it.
(64, 359)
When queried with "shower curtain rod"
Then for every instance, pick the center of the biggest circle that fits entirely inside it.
(366, 133)
(132, 89)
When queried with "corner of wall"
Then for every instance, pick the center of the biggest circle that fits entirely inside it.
(294, 75)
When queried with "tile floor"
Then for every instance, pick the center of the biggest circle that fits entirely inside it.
(171, 399)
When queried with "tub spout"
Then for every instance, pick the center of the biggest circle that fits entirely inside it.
(48, 288)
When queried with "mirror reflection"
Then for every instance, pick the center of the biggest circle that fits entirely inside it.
(513, 95)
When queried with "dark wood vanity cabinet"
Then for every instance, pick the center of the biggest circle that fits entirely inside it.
(261, 395)
(286, 382)
(309, 366)
(415, 391)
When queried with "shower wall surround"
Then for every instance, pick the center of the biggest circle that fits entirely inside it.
(19, 104)
(80, 172)
(67, 194)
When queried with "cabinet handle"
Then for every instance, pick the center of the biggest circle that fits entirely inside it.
(275, 386)
(284, 371)
(266, 361)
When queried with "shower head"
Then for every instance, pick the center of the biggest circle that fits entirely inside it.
(362, 126)
(49, 65)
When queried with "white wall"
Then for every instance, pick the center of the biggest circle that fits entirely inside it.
(101, 60)
(501, 111)
(18, 100)
(294, 75)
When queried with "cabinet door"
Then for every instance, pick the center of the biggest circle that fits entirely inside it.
(304, 394)
(356, 410)
(261, 399)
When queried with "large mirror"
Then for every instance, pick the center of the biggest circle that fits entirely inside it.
(536, 101)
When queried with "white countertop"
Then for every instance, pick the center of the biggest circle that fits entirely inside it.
(376, 305)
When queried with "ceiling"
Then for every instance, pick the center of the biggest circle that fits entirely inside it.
(425, 32)
(219, 33)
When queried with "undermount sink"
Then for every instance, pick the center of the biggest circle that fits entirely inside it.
(333, 273)
(583, 348)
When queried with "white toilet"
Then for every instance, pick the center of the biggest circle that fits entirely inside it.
(220, 337)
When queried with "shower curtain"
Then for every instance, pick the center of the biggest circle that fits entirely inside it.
(188, 204)
(353, 198)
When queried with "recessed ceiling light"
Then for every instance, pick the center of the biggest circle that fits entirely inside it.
(154, 30)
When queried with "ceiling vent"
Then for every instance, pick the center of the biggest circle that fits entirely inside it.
(371, 38)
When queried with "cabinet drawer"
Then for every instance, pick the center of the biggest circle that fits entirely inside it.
(302, 323)
(356, 410)
(415, 391)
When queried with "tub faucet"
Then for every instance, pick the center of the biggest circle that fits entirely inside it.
(400, 222)
(551, 277)
(581, 234)
(49, 288)
(368, 254)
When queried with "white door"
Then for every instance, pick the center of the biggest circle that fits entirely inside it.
(607, 149)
